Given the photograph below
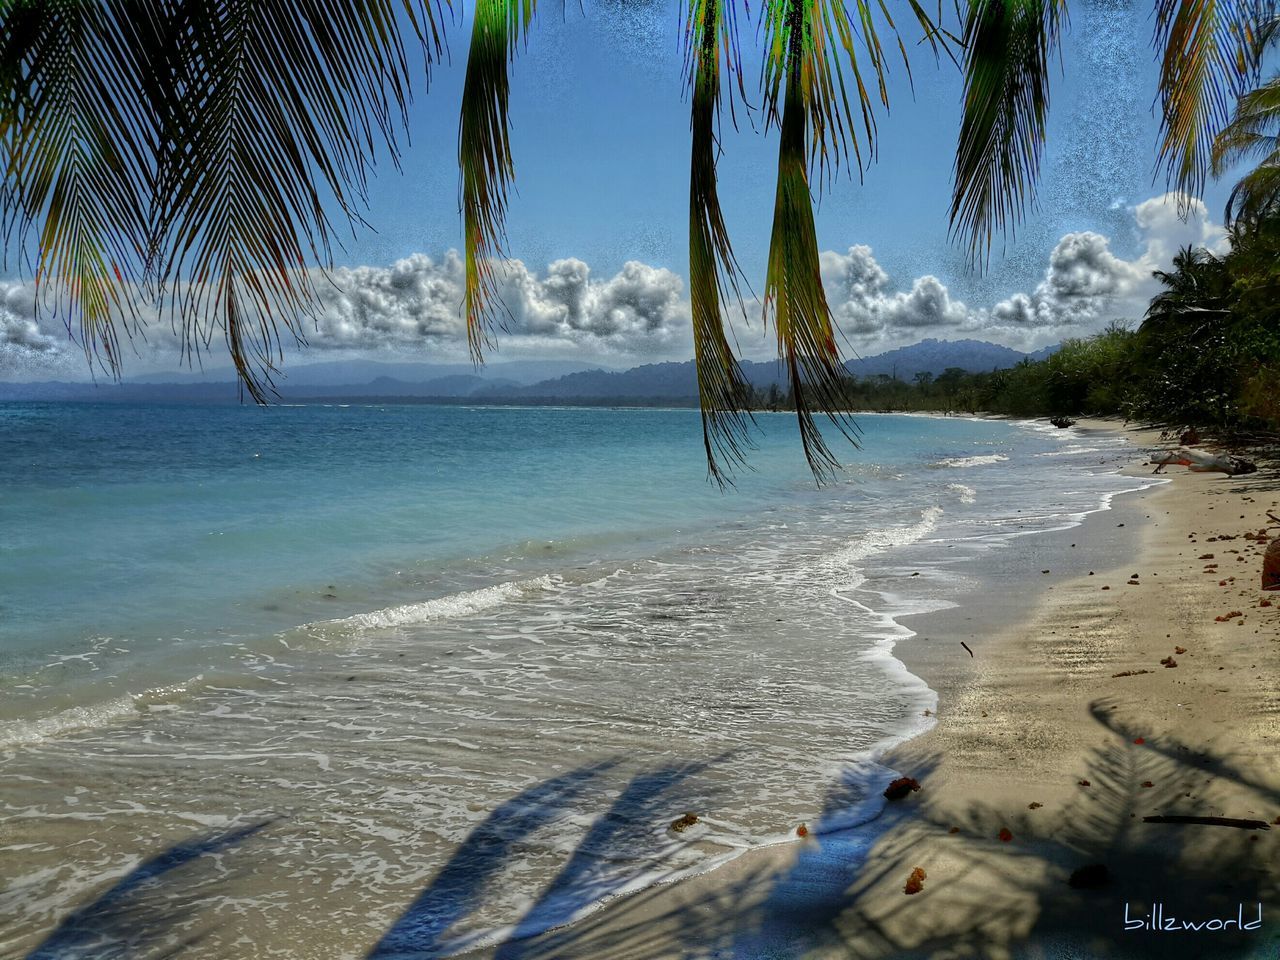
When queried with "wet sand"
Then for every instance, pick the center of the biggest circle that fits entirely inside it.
(1052, 744)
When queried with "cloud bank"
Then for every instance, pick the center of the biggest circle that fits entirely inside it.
(412, 309)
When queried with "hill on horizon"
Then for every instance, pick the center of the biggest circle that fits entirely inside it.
(513, 381)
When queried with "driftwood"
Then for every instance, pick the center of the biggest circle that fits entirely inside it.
(1212, 822)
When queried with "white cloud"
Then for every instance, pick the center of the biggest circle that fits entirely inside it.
(417, 302)
(1084, 285)
(412, 308)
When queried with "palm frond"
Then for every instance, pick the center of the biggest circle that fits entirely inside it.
(1252, 135)
(713, 270)
(1008, 45)
(77, 138)
(1211, 53)
(484, 154)
(187, 155)
(1257, 195)
(812, 126)
(275, 117)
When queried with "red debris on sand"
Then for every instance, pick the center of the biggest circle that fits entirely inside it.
(915, 882)
(1179, 650)
(901, 787)
(1229, 616)
(1147, 783)
(1140, 740)
(802, 830)
(1004, 835)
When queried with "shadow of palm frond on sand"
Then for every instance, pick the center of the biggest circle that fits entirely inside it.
(841, 894)
(142, 912)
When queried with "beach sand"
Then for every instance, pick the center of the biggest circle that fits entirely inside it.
(1038, 739)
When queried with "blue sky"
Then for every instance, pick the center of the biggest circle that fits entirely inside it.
(601, 146)
(599, 223)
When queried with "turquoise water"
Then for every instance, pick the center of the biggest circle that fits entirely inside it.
(375, 629)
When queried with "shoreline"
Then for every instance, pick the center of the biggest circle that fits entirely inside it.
(1019, 726)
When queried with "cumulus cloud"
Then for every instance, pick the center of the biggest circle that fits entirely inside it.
(413, 308)
(417, 301)
(27, 350)
(865, 305)
(1084, 285)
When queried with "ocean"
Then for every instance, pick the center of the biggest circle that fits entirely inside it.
(382, 680)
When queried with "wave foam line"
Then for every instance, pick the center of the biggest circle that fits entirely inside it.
(448, 607)
(876, 541)
(90, 716)
(976, 461)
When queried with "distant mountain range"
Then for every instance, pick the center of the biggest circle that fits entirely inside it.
(511, 382)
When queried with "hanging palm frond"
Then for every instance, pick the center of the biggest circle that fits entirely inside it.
(484, 154)
(1007, 48)
(807, 98)
(1252, 135)
(1211, 53)
(812, 126)
(186, 156)
(279, 113)
(713, 270)
(78, 138)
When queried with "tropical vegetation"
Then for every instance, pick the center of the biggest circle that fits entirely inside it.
(194, 160)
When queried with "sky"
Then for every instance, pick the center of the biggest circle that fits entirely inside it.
(597, 232)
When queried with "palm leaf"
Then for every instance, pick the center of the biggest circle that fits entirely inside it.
(188, 155)
(77, 137)
(277, 114)
(484, 154)
(1252, 135)
(1211, 53)
(713, 269)
(815, 126)
(1007, 48)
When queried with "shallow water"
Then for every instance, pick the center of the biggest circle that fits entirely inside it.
(388, 679)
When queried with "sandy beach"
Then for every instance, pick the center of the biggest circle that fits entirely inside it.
(1052, 744)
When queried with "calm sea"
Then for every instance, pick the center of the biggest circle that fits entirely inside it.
(335, 681)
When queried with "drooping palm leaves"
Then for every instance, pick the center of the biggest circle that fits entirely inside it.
(793, 283)
(1211, 53)
(78, 140)
(1254, 135)
(484, 154)
(807, 99)
(713, 271)
(187, 156)
(1008, 46)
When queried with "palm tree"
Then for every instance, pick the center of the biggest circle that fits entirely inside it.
(195, 160)
(1253, 135)
(1186, 340)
